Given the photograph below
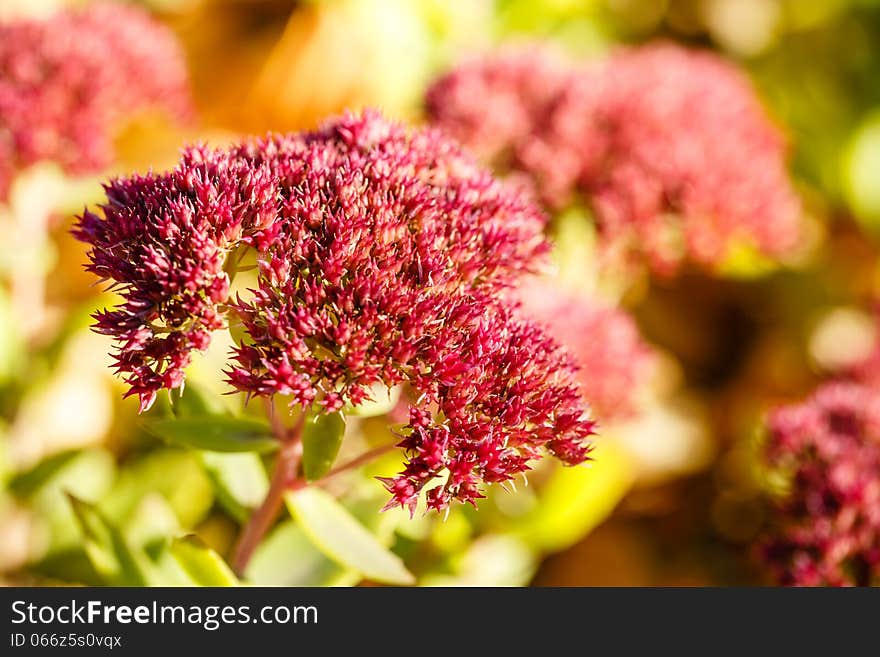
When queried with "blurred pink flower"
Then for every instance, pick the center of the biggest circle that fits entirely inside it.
(670, 148)
(614, 361)
(381, 256)
(66, 82)
(493, 104)
(827, 523)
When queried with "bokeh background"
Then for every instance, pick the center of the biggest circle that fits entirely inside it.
(672, 497)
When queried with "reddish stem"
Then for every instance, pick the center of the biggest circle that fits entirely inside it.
(357, 461)
(285, 478)
(284, 475)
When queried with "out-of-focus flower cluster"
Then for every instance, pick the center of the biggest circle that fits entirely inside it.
(67, 81)
(827, 525)
(496, 105)
(669, 147)
(381, 255)
(615, 362)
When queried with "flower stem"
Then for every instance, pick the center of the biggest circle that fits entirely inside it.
(284, 476)
(357, 461)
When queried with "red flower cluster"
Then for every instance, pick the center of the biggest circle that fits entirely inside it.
(163, 240)
(670, 147)
(828, 521)
(65, 82)
(615, 362)
(381, 253)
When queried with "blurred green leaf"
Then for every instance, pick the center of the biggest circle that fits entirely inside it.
(322, 437)
(240, 481)
(10, 341)
(107, 549)
(491, 560)
(287, 557)
(175, 474)
(87, 474)
(71, 566)
(745, 261)
(576, 499)
(201, 563)
(341, 537)
(195, 401)
(150, 523)
(861, 172)
(214, 433)
(28, 482)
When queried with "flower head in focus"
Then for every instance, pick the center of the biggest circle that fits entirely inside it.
(66, 82)
(382, 253)
(827, 529)
(615, 362)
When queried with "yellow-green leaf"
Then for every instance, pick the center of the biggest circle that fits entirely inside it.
(335, 532)
(204, 566)
(576, 499)
(287, 557)
(322, 437)
(239, 480)
(107, 549)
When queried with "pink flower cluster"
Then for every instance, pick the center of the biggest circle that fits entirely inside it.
(495, 105)
(615, 362)
(827, 529)
(669, 147)
(382, 254)
(67, 81)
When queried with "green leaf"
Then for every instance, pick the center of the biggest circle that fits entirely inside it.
(335, 532)
(195, 401)
(321, 439)
(27, 483)
(491, 560)
(150, 523)
(861, 171)
(175, 474)
(286, 557)
(201, 563)
(239, 480)
(745, 261)
(111, 556)
(576, 499)
(215, 433)
(88, 474)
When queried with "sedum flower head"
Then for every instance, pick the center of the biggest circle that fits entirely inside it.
(495, 104)
(670, 147)
(615, 362)
(381, 254)
(827, 529)
(67, 81)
